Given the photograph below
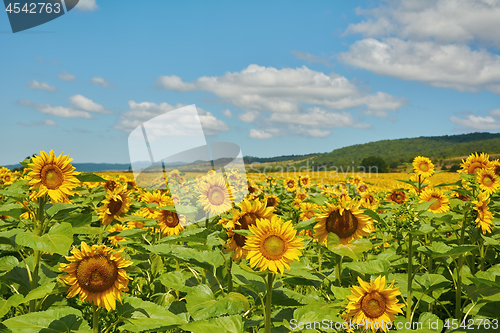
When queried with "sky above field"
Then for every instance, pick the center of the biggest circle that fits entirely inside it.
(275, 77)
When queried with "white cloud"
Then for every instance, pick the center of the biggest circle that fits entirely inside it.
(87, 5)
(248, 117)
(97, 80)
(258, 88)
(263, 134)
(40, 86)
(487, 123)
(83, 103)
(56, 110)
(311, 58)
(319, 118)
(444, 21)
(66, 76)
(449, 66)
(494, 113)
(227, 113)
(144, 111)
(46, 122)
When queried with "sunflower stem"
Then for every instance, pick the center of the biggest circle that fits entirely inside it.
(410, 277)
(319, 257)
(95, 317)
(269, 293)
(229, 276)
(338, 269)
(36, 253)
(458, 294)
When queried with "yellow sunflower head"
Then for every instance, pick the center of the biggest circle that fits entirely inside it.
(158, 197)
(116, 203)
(442, 204)
(272, 201)
(249, 213)
(305, 181)
(171, 223)
(214, 195)
(474, 163)
(117, 238)
(307, 210)
(368, 200)
(290, 184)
(484, 216)
(374, 304)
(488, 181)
(495, 165)
(345, 220)
(423, 166)
(273, 245)
(96, 273)
(53, 176)
(397, 196)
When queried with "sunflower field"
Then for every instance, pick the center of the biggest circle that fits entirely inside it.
(301, 252)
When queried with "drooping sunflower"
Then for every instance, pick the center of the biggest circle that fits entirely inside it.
(442, 204)
(488, 181)
(474, 163)
(171, 223)
(116, 203)
(272, 201)
(53, 176)
(214, 195)
(397, 196)
(423, 166)
(96, 273)
(273, 245)
(290, 184)
(248, 214)
(374, 304)
(369, 201)
(345, 220)
(484, 216)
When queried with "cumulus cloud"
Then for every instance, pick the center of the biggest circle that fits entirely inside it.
(494, 113)
(311, 58)
(83, 103)
(444, 21)
(56, 110)
(487, 123)
(258, 88)
(144, 111)
(46, 122)
(227, 113)
(248, 117)
(263, 134)
(40, 86)
(449, 66)
(87, 5)
(66, 76)
(319, 118)
(97, 80)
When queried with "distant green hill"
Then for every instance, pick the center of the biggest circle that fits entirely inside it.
(441, 149)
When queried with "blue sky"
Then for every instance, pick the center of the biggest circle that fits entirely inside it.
(274, 77)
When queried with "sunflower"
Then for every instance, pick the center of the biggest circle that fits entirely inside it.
(290, 184)
(344, 220)
(116, 203)
(424, 182)
(171, 223)
(273, 245)
(495, 165)
(248, 214)
(484, 216)
(6, 176)
(272, 201)
(369, 201)
(52, 175)
(423, 166)
(373, 304)
(488, 181)
(96, 273)
(442, 204)
(158, 197)
(117, 238)
(307, 210)
(362, 188)
(305, 181)
(397, 196)
(214, 195)
(474, 163)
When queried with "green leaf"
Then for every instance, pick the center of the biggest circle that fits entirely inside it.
(85, 177)
(248, 279)
(374, 216)
(204, 259)
(59, 210)
(353, 249)
(229, 324)
(430, 282)
(142, 316)
(14, 210)
(63, 319)
(243, 232)
(13, 300)
(176, 280)
(198, 235)
(40, 292)
(369, 267)
(57, 240)
(201, 303)
(17, 190)
(7, 263)
(307, 224)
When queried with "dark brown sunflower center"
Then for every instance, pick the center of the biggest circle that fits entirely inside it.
(271, 202)
(52, 176)
(344, 225)
(170, 219)
(111, 185)
(96, 274)
(252, 189)
(373, 304)
(398, 197)
(216, 196)
(273, 247)
(245, 221)
(114, 206)
(290, 184)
